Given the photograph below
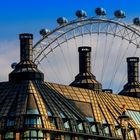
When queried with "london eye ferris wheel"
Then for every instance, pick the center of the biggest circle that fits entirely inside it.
(111, 40)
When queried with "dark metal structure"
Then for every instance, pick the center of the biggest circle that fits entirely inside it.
(85, 79)
(132, 88)
(32, 109)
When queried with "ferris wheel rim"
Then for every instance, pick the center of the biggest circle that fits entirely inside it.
(91, 20)
(70, 39)
(123, 24)
(64, 34)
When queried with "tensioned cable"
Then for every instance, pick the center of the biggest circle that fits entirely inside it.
(65, 59)
(105, 61)
(94, 62)
(52, 66)
(42, 68)
(82, 35)
(68, 51)
(119, 64)
(74, 37)
(103, 64)
(53, 70)
(108, 54)
(124, 76)
(90, 35)
(58, 69)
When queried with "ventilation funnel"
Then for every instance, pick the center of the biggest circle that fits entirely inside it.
(85, 79)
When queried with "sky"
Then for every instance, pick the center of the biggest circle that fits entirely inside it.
(29, 16)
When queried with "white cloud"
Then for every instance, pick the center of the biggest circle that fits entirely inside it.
(9, 53)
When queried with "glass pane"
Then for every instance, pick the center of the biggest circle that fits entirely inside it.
(32, 111)
(106, 130)
(10, 122)
(52, 120)
(81, 138)
(66, 124)
(49, 113)
(26, 134)
(90, 119)
(67, 137)
(80, 126)
(9, 135)
(62, 115)
(39, 121)
(93, 128)
(119, 132)
(33, 133)
(104, 121)
(135, 115)
(54, 137)
(27, 121)
(33, 121)
(131, 133)
(40, 134)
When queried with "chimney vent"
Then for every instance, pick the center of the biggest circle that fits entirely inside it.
(26, 69)
(84, 59)
(132, 87)
(85, 79)
(133, 69)
(26, 47)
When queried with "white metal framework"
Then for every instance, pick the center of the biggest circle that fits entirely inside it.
(111, 40)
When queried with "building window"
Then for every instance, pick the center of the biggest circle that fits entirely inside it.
(66, 124)
(33, 134)
(52, 120)
(10, 122)
(65, 121)
(49, 114)
(9, 136)
(33, 121)
(119, 132)
(131, 134)
(67, 137)
(106, 130)
(80, 127)
(80, 138)
(93, 129)
(55, 137)
(135, 115)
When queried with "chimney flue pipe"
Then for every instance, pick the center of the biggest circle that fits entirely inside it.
(84, 59)
(133, 69)
(26, 46)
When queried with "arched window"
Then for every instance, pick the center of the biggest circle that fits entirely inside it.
(92, 123)
(80, 126)
(106, 130)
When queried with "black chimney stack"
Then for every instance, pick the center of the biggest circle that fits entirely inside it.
(85, 79)
(26, 69)
(132, 88)
(84, 59)
(133, 69)
(26, 41)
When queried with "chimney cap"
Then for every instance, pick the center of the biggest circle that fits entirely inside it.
(84, 49)
(25, 36)
(133, 59)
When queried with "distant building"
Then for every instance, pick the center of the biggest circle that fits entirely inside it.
(32, 109)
